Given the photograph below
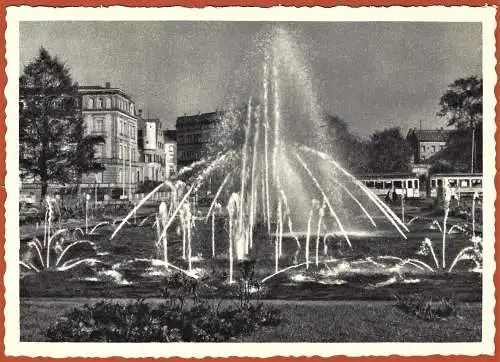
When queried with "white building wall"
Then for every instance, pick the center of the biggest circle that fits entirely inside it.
(150, 136)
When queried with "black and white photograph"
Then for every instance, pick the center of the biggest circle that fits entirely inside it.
(317, 177)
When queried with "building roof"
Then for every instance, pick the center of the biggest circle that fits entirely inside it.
(395, 175)
(97, 89)
(198, 118)
(430, 135)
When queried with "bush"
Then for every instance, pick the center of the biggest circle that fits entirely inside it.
(181, 318)
(426, 308)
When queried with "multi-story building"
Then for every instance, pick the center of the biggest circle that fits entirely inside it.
(193, 133)
(152, 150)
(425, 144)
(110, 112)
(170, 143)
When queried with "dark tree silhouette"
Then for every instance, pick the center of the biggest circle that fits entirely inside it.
(344, 146)
(389, 152)
(52, 145)
(462, 106)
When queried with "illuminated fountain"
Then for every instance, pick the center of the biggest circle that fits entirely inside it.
(271, 171)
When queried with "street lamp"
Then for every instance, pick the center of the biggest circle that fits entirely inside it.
(473, 146)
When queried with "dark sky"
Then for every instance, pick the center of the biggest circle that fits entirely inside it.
(372, 74)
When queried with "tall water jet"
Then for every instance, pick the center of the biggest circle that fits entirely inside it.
(163, 212)
(232, 208)
(318, 233)
(241, 227)
(254, 189)
(446, 204)
(474, 197)
(266, 143)
(314, 205)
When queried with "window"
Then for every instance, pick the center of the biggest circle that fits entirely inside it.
(452, 183)
(121, 151)
(440, 182)
(370, 184)
(422, 149)
(171, 148)
(433, 183)
(464, 183)
(398, 184)
(477, 182)
(98, 151)
(433, 149)
(379, 185)
(409, 184)
(98, 125)
(441, 147)
(90, 103)
(99, 103)
(108, 103)
(387, 184)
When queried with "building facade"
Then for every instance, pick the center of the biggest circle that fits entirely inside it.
(425, 144)
(193, 134)
(170, 144)
(152, 150)
(110, 112)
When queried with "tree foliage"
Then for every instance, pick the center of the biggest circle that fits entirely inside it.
(462, 103)
(346, 147)
(389, 152)
(462, 106)
(52, 146)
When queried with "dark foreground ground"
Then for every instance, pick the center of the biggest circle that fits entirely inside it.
(307, 321)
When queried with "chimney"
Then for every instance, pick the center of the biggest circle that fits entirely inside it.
(107, 85)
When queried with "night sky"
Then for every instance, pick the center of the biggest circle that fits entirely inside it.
(373, 75)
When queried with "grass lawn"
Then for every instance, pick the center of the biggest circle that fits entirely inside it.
(306, 321)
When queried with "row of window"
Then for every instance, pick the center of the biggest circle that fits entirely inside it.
(105, 103)
(127, 176)
(127, 129)
(189, 155)
(432, 148)
(387, 185)
(193, 138)
(460, 183)
(127, 152)
(154, 158)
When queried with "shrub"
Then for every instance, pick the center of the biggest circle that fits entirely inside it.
(426, 308)
(182, 317)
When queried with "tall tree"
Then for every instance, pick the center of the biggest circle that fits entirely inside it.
(389, 152)
(344, 146)
(462, 106)
(52, 145)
